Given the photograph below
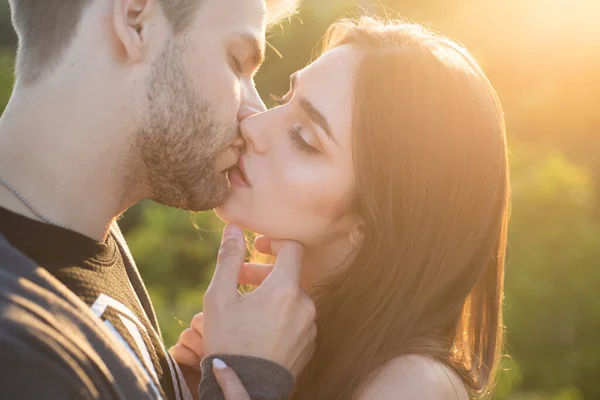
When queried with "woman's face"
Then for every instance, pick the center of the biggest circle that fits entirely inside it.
(298, 170)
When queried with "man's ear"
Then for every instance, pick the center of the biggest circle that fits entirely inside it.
(131, 19)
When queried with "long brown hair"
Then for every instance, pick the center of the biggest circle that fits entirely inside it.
(432, 190)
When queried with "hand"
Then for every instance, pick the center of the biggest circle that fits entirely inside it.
(228, 381)
(255, 274)
(189, 352)
(274, 322)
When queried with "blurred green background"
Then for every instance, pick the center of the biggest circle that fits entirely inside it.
(543, 57)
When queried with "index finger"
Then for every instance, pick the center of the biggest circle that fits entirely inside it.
(229, 261)
(288, 265)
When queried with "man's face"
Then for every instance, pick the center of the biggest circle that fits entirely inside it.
(199, 89)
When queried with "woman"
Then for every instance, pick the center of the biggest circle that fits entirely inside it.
(387, 161)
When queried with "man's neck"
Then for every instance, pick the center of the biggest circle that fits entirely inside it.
(64, 157)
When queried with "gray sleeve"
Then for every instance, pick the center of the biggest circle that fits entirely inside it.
(263, 379)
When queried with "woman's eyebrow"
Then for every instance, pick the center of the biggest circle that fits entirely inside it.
(311, 111)
(317, 117)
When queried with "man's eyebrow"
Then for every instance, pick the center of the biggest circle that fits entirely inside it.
(318, 118)
(257, 56)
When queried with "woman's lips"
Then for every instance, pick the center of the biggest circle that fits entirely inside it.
(235, 176)
(242, 168)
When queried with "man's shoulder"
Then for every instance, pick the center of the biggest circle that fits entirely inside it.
(28, 372)
(32, 350)
(11, 259)
(31, 300)
(49, 336)
(44, 360)
(21, 278)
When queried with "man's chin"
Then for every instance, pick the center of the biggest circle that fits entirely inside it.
(204, 196)
(216, 197)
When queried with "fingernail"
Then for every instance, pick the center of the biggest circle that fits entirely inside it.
(219, 364)
(232, 230)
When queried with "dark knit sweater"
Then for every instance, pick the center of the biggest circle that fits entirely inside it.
(108, 287)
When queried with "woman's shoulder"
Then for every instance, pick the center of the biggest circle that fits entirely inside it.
(414, 377)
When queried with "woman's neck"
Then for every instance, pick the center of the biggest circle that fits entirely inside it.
(324, 262)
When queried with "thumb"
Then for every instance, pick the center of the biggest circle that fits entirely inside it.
(288, 266)
(229, 261)
(228, 381)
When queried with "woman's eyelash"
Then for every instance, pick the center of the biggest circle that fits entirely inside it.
(278, 99)
(300, 143)
(294, 132)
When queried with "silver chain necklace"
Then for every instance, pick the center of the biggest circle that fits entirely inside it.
(28, 204)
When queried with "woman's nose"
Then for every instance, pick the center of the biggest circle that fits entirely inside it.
(251, 128)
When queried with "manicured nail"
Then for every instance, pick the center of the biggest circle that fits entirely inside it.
(219, 364)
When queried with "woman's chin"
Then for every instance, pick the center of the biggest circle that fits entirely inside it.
(231, 215)
(226, 214)
(240, 218)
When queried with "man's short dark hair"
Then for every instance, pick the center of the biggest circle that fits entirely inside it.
(46, 27)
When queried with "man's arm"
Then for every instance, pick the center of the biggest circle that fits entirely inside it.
(26, 373)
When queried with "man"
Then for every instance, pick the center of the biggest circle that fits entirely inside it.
(116, 101)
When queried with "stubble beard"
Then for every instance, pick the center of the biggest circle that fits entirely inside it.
(180, 140)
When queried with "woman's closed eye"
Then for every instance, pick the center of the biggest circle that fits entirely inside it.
(295, 134)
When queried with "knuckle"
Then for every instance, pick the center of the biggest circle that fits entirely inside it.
(174, 351)
(198, 322)
(313, 333)
(179, 353)
(310, 310)
(182, 335)
(186, 336)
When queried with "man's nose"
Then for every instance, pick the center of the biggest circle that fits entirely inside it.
(239, 143)
(251, 104)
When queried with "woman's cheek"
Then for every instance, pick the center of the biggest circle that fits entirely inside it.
(314, 202)
(301, 185)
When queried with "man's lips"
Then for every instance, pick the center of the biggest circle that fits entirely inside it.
(228, 159)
